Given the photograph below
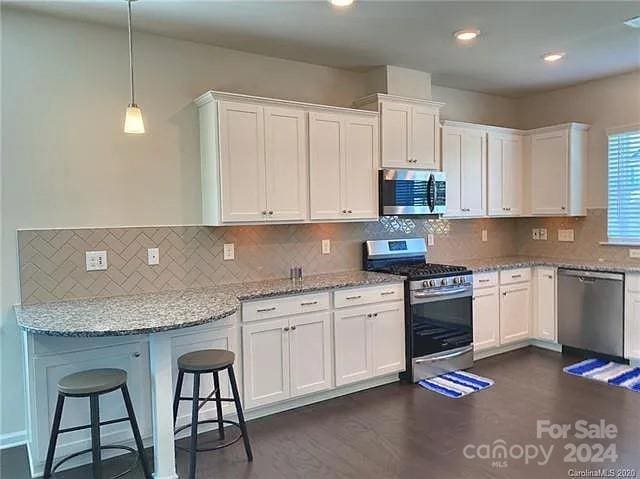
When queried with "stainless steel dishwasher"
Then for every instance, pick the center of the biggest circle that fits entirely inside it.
(591, 311)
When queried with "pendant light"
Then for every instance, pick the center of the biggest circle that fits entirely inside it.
(133, 118)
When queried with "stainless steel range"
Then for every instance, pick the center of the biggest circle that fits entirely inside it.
(438, 304)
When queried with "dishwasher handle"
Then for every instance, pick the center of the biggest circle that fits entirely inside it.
(585, 276)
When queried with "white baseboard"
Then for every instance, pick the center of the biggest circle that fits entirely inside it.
(542, 344)
(499, 350)
(13, 439)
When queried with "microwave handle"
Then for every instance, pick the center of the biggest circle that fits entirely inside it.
(431, 192)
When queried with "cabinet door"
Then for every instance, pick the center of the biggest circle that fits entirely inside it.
(424, 138)
(396, 124)
(242, 162)
(352, 340)
(549, 162)
(515, 312)
(486, 318)
(326, 152)
(265, 359)
(388, 340)
(545, 304)
(286, 164)
(360, 190)
(48, 370)
(452, 166)
(185, 341)
(505, 172)
(310, 353)
(473, 188)
(632, 326)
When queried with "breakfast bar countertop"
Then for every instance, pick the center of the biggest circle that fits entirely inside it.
(156, 312)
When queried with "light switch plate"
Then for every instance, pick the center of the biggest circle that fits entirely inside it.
(96, 260)
(634, 253)
(565, 235)
(153, 256)
(229, 251)
(535, 234)
(326, 246)
(430, 240)
(485, 237)
(543, 234)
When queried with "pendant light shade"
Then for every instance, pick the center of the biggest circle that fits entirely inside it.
(133, 117)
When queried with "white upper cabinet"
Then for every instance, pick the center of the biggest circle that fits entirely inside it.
(343, 153)
(255, 161)
(505, 174)
(464, 160)
(558, 157)
(410, 130)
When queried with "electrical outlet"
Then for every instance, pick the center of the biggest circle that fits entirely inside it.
(229, 251)
(326, 246)
(634, 253)
(430, 240)
(565, 235)
(535, 234)
(153, 256)
(485, 236)
(96, 260)
(543, 234)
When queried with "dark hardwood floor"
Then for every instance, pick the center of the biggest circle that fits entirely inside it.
(404, 431)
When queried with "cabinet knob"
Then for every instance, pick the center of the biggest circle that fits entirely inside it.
(504, 294)
(293, 328)
(264, 212)
(270, 212)
(286, 328)
(375, 315)
(563, 208)
(349, 211)
(136, 355)
(344, 211)
(368, 315)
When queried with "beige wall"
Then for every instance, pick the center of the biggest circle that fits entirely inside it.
(605, 103)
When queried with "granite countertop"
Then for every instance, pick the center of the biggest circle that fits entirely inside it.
(509, 262)
(155, 312)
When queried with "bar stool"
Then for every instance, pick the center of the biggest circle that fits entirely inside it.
(204, 362)
(92, 384)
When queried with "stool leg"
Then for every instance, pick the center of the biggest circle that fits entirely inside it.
(216, 385)
(94, 407)
(176, 398)
(54, 437)
(194, 425)
(243, 426)
(136, 430)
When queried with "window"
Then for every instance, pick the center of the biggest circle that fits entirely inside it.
(624, 185)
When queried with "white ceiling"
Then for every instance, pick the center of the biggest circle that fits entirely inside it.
(505, 60)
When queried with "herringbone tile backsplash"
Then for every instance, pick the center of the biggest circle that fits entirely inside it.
(52, 262)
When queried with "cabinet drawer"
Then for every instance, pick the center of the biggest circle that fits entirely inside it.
(356, 296)
(485, 280)
(633, 282)
(511, 276)
(284, 306)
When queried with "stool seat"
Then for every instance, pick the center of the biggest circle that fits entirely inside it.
(92, 381)
(206, 360)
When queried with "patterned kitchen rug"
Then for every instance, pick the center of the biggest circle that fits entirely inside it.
(456, 384)
(609, 372)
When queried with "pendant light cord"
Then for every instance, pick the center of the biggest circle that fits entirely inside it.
(133, 102)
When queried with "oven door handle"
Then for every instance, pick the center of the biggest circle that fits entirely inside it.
(446, 356)
(441, 293)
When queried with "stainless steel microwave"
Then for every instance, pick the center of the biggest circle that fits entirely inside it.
(412, 192)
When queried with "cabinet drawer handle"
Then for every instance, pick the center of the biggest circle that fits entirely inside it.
(483, 280)
(286, 328)
(349, 211)
(309, 303)
(514, 276)
(266, 310)
(387, 293)
(354, 297)
(465, 209)
(293, 328)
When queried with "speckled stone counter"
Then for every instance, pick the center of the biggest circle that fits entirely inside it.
(155, 312)
(496, 264)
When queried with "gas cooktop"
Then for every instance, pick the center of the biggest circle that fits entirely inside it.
(423, 270)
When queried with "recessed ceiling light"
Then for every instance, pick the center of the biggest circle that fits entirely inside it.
(341, 3)
(466, 35)
(553, 57)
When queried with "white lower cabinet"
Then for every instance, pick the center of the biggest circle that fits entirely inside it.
(286, 357)
(544, 304)
(486, 318)
(369, 341)
(515, 312)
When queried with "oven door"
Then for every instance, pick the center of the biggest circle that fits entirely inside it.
(441, 321)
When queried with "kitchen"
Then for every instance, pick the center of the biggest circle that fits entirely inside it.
(526, 198)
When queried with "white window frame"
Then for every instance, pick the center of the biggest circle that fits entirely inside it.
(610, 132)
